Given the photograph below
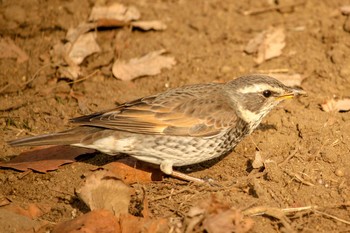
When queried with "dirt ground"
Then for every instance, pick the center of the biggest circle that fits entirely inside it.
(306, 150)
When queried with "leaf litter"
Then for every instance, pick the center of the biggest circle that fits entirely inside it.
(267, 44)
(102, 190)
(81, 42)
(333, 105)
(149, 64)
(43, 159)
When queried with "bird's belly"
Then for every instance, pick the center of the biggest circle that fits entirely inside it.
(182, 151)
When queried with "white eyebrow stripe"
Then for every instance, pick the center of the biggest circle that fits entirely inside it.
(257, 88)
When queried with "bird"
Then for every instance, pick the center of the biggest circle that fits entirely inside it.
(179, 127)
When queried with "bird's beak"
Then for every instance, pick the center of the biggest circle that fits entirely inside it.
(291, 93)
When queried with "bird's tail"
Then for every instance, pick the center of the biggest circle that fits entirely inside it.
(68, 137)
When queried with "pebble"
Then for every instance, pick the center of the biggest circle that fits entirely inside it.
(340, 172)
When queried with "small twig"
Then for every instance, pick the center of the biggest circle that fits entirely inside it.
(288, 157)
(5, 87)
(35, 75)
(332, 216)
(82, 79)
(171, 194)
(20, 131)
(267, 9)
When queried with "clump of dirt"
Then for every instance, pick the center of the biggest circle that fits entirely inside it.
(305, 150)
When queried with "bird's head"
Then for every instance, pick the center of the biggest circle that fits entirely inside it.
(254, 96)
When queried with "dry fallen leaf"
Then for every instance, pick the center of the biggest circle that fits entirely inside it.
(74, 33)
(258, 161)
(267, 44)
(149, 25)
(150, 64)
(102, 190)
(290, 80)
(48, 159)
(8, 49)
(83, 46)
(115, 11)
(93, 222)
(333, 105)
(217, 217)
(134, 171)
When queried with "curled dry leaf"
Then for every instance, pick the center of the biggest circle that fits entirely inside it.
(333, 105)
(115, 11)
(258, 160)
(8, 49)
(134, 171)
(150, 64)
(268, 44)
(149, 25)
(82, 47)
(217, 217)
(74, 33)
(102, 190)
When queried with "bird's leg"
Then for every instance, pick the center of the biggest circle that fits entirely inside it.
(167, 168)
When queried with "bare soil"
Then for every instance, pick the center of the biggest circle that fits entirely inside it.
(307, 149)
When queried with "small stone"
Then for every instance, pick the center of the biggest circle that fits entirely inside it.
(340, 172)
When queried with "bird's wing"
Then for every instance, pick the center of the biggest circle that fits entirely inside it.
(179, 113)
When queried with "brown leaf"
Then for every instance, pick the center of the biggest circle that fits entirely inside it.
(43, 160)
(134, 171)
(102, 190)
(333, 105)
(8, 49)
(97, 221)
(267, 44)
(149, 25)
(150, 64)
(83, 46)
(115, 11)
(74, 33)
(217, 217)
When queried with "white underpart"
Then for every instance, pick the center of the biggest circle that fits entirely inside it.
(111, 145)
(249, 116)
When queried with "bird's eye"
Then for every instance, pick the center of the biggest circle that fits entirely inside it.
(267, 93)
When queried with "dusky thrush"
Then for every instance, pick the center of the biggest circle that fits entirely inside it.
(181, 126)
